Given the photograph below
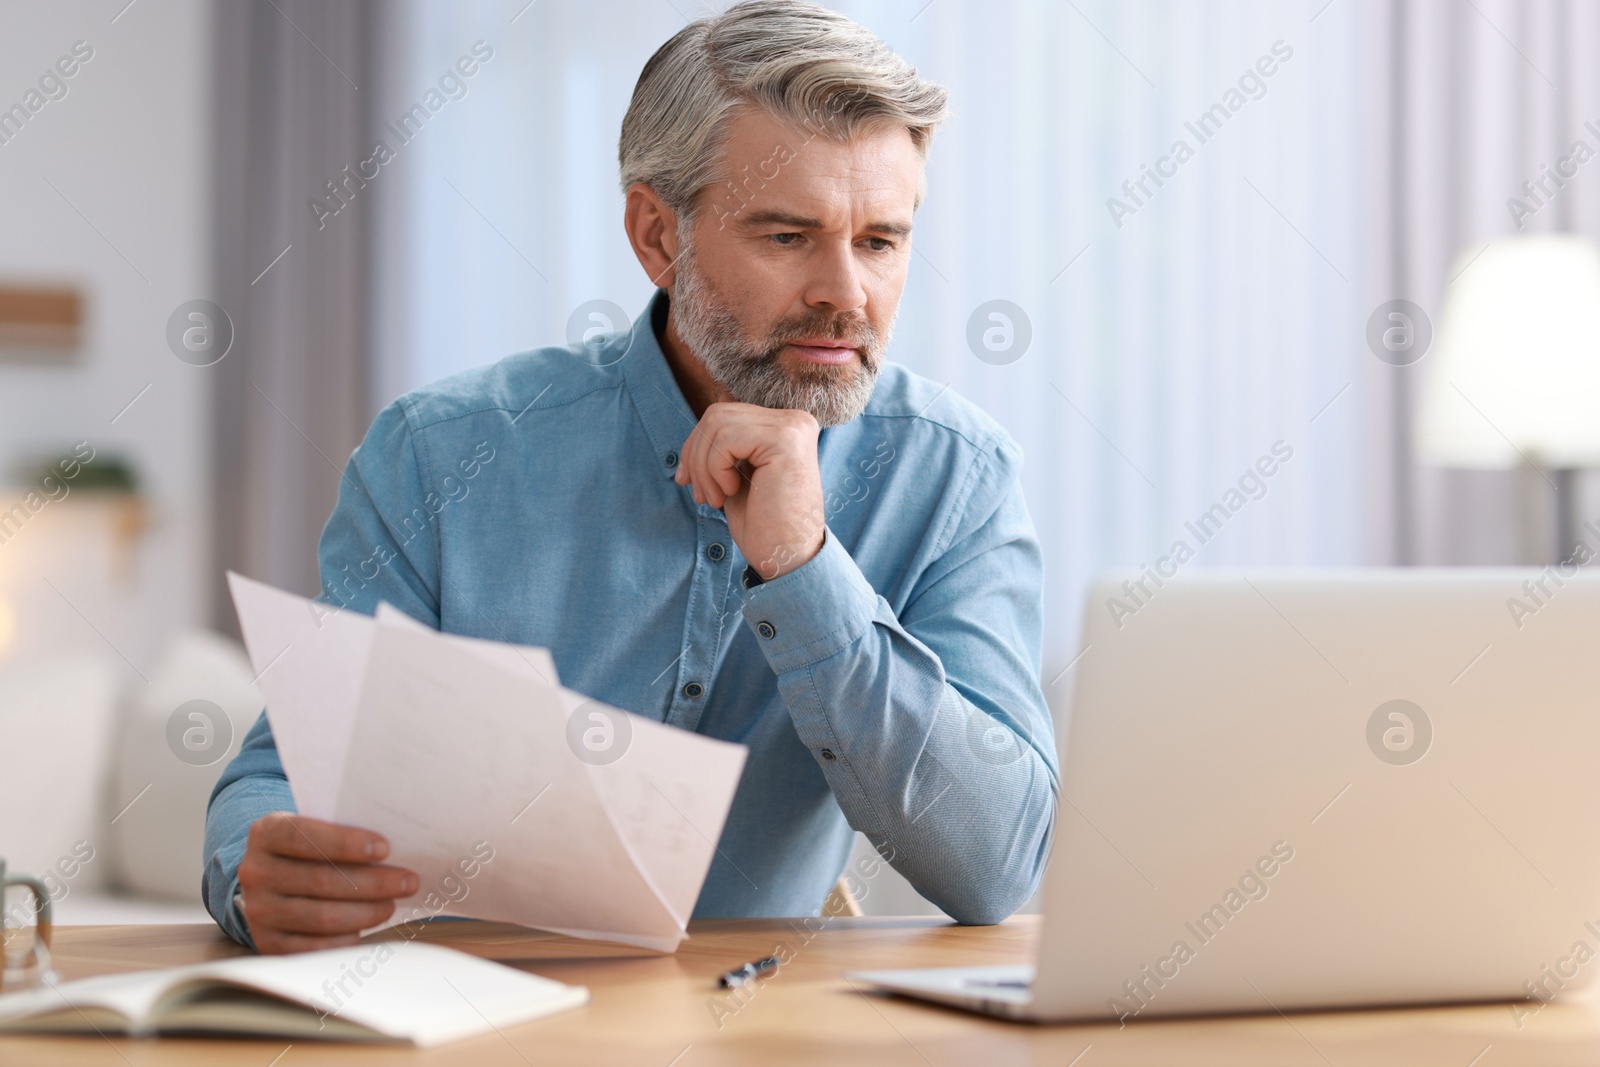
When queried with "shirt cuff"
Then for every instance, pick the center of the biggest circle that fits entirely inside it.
(237, 926)
(819, 608)
(224, 905)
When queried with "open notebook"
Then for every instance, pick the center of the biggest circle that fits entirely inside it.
(403, 991)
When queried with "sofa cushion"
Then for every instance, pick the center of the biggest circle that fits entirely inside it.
(57, 718)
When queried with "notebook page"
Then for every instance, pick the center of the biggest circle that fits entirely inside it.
(425, 993)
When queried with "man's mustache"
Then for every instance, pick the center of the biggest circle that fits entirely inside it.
(854, 332)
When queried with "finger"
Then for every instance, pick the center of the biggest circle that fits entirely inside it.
(285, 834)
(727, 471)
(277, 943)
(728, 454)
(714, 452)
(714, 467)
(684, 473)
(706, 454)
(319, 918)
(314, 878)
(690, 456)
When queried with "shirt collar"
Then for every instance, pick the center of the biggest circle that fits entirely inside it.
(666, 415)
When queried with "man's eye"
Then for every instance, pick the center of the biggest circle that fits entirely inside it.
(880, 244)
(783, 238)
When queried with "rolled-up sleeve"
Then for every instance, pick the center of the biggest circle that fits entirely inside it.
(930, 725)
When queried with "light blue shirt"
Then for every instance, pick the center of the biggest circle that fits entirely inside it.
(890, 684)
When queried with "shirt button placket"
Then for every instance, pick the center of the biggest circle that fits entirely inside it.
(701, 628)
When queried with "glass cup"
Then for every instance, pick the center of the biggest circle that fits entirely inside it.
(30, 968)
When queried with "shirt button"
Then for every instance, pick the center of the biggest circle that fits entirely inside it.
(716, 552)
(828, 755)
(693, 689)
(766, 630)
(670, 459)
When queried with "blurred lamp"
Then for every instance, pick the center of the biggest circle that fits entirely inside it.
(1515, 377)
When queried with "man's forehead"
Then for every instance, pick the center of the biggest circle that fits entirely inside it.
(807, 173)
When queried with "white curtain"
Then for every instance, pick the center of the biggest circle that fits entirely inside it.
(1479, 98)
(289, 401)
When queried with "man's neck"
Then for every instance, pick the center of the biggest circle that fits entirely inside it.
(694, 381)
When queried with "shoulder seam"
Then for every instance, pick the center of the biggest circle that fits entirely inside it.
(417, 425)
(986, 445)
(958, 505)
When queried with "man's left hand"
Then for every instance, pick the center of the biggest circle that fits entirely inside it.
(759, 465)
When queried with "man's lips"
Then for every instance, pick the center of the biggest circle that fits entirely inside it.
(824, 351)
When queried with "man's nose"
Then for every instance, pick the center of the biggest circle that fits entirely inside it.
(835, 280)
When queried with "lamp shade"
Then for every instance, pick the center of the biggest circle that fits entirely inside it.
(1516, 368)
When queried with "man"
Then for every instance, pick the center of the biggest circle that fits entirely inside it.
(735, 518)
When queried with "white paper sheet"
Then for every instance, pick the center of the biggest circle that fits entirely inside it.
(452, 746)
(309, 659)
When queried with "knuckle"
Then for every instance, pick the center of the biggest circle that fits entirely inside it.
(252, 874)
(324, 882)
(272, 943)
(268, 830)
(258, 919)
(323, 917)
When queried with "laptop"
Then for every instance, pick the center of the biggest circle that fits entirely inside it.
(1295, 790)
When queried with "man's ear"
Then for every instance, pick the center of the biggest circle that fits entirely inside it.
(653, 231)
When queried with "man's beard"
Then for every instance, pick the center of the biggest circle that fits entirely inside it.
(755, 374)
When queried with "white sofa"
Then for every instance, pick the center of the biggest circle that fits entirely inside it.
(93, 798)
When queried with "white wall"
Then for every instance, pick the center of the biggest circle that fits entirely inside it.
(127, 147)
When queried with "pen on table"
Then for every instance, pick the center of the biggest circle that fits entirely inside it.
(749, 972)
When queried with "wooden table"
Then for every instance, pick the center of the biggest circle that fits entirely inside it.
(664, 1011)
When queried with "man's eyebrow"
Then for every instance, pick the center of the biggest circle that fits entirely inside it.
(758, 219)
(894, 229)
(781, 218)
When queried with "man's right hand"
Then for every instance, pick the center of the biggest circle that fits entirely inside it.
(309, 884)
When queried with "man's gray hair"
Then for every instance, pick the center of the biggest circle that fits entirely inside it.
(804, 64)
